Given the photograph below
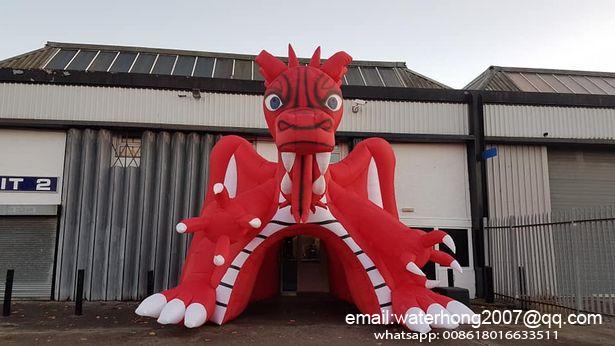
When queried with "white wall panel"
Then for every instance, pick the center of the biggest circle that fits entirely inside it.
(32, 154)
(433, 180)
(147, 106)
(557, 122)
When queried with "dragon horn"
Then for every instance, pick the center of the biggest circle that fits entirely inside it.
(335, 66)
(270, 66)
(292, 57)
(315, 61)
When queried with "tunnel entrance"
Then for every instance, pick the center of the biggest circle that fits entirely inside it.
(303, 266)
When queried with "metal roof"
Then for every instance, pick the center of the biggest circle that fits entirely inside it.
(499, 78)
(156, 61)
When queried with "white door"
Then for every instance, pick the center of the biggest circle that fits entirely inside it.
(432, 188)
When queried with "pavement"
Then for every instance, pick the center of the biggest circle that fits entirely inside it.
(302, 320)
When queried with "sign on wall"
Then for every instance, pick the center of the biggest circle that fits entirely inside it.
(31, 167)
(31, 184)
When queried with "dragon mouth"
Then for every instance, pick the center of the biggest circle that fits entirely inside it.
(326, 125)
(322, 225)
(305, 147)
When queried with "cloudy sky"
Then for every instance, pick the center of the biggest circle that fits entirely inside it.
(451, 41)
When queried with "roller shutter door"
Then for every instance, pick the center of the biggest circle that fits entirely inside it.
(27, 245)
(581, 179)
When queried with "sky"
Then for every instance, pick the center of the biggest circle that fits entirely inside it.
(451, 41)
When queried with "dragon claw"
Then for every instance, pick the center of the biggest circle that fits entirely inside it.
(173, 312)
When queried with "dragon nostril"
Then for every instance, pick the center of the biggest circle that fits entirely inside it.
(326, 125)
(283, 125)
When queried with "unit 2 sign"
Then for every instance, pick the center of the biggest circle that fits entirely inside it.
(28, 184)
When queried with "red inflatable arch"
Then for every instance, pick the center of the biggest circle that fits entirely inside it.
(252, 204)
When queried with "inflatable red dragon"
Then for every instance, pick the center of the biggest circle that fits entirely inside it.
(252, 204)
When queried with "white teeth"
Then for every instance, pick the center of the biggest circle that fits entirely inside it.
(413, 268)
(448, 241)
(455, 265)
(288, 159)
(322, 160)
(319, 186)
(287, 184)
(432, 283)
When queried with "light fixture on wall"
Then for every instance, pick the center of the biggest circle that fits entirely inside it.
(357, 104)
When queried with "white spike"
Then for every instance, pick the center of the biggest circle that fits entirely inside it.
(319, 186)
(287, 185)
(323, 160)
(464, 313)
(173, 312)
(432, 283)
(196, 315)
(414, 320)
(442, 318)
(181, 227)
(152, 305)
(455, 265)
(230, 177)
(373, 184)
(218, 260)
(448, 241)
(288, 159)
(413, 268)
(218, 187)
(255, 222)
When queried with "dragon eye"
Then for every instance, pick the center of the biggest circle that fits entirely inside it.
(334, 102)
(273, 102)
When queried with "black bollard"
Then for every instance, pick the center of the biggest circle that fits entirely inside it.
(8, 292)
(489, 289)
(150, 283)
(451, 277)
(79, 296)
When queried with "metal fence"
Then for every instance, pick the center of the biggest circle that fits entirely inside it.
(558, 261)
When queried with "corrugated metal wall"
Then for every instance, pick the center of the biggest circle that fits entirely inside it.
(147, 106)
(581, 178)
(28, 247)
(518, 181)
(118, 222)
(557, 122)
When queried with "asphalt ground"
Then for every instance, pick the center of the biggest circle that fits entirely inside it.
(302, 320)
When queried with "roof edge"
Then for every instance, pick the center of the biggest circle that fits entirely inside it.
(71, 45)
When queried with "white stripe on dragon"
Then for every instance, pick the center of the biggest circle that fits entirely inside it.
(281, 220)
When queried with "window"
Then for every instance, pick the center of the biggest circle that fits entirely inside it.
(164, 64)
(354, 76)
(144, 63)
(82, 60)
(243, 69)
(184, 65)
(390, 77)
(126, 152)
(371, 76)
(61, 59)
(103, 61)
(123, 62)
(204, 67)
(224, 67)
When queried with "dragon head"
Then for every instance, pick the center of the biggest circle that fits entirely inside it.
(303, 104)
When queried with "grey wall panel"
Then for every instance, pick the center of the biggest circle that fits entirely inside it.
(518, 181)
(28, 245)
(118, 222)
(581, 178)
(148, 106)
(557, 122)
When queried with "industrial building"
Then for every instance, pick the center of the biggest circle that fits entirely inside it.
(105, 148)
